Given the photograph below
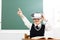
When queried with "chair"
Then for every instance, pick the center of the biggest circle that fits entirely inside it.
(26, 37)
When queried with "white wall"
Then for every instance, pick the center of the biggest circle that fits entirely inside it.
(13, 34)
(10, 36)
(52, 13)
(51, 10)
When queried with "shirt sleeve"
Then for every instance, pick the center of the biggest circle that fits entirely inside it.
(47, 26)
(26, 22)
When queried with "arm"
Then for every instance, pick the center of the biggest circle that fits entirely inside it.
(46, 23)
(47, 26)
(25, 20)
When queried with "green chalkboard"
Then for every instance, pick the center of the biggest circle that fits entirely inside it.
(10, 19)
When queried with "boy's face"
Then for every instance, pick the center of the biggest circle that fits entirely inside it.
(37, 20)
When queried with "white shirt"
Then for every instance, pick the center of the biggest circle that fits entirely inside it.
(29, 25)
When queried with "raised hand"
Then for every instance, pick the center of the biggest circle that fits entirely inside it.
(19, 12)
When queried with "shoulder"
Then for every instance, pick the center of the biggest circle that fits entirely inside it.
(43, 24)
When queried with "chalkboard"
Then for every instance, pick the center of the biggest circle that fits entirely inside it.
(10, 18)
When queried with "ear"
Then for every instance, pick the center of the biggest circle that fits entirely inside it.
(41, 15)
(32, 15)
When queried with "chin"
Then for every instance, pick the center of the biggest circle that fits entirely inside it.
(37, 22)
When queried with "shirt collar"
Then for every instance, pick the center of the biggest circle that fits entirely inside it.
(38, 25)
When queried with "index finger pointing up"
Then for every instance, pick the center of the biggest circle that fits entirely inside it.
(19, 9)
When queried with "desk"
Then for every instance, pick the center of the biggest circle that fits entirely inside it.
(27, 37)
(41, 39)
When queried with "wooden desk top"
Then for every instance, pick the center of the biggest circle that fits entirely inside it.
(41, 39)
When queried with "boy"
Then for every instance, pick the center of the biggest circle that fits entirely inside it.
(37, 28)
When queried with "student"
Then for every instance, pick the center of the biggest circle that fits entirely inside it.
(38, 27)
